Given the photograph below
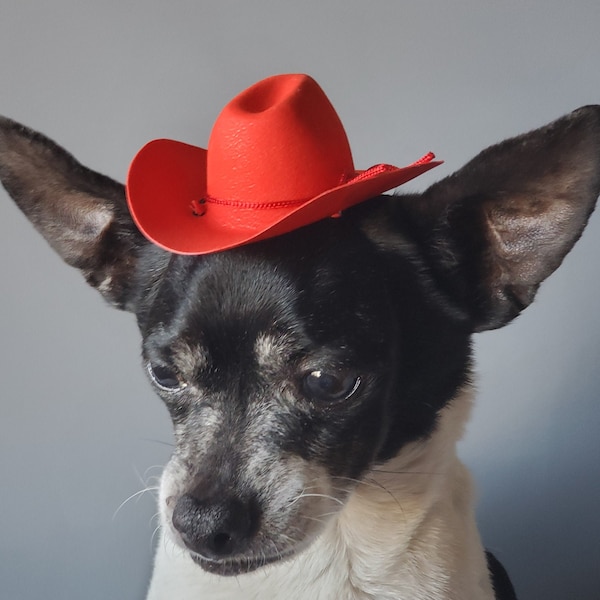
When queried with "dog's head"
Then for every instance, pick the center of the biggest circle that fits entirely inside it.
(292, 366)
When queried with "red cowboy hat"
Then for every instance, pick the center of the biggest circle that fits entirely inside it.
(278, 158)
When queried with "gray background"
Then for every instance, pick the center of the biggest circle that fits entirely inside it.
(80, 430)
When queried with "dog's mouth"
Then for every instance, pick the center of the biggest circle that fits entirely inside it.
(236, 533)
(231, 567)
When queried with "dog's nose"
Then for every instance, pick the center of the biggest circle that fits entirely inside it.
(215, 528)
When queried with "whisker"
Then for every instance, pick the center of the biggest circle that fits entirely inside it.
(406, 472)
(327, 496)
(297, 498)
(161, 442)
(137, 494)
(155, 516)
(150, 468)
(324, 515)
(154, 533)
(317, 519)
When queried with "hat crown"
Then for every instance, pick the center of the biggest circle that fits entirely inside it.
(280, 140)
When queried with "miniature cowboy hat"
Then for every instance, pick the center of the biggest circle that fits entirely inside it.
(277, 159)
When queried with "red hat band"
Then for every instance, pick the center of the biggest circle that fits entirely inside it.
(278, 158)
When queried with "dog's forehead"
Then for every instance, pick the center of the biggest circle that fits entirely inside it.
(222, 303)
(242, 289)
(271, 300)
(269, 280)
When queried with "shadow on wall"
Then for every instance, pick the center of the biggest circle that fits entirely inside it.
(531, 510)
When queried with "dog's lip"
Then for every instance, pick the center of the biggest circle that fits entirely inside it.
(237, 566)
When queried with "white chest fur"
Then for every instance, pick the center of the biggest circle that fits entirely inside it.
(407, 533)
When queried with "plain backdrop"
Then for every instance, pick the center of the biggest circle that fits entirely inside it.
(80, 429)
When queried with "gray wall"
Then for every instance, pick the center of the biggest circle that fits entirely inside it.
(80, 430)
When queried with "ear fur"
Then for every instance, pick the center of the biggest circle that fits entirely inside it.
(81, 213)
(494, 230)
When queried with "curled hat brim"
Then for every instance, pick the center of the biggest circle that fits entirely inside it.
(167, 177)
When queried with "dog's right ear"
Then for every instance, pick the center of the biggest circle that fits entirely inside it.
(82, 214)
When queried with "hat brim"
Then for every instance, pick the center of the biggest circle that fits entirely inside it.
(167, 176)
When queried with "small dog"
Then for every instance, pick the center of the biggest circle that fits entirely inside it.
(318, 381)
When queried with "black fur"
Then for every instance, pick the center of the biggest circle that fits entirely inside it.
(502, 585)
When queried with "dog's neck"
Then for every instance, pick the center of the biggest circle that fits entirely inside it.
(406, 533)
(409, 530)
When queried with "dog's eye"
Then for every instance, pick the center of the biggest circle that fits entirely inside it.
(165, 378)
(320, 385)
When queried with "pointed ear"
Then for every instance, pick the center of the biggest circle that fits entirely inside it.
(493, 231)
(82, 214)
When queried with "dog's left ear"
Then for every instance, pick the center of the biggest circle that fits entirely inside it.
(81, 213)
(493, 231)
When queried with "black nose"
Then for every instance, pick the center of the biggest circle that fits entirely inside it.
(215, 528)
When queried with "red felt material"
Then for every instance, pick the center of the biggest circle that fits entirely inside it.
(277, 159)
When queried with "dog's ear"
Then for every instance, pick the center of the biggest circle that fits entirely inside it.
(82, 214)
(493, 231)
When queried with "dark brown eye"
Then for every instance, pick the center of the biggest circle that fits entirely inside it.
(164, 378)
(319, 385)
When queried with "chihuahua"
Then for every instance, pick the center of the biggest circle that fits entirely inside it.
(318, 381)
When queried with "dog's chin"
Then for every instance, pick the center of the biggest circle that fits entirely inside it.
(232, 567)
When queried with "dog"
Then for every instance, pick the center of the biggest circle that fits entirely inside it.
(318, 380)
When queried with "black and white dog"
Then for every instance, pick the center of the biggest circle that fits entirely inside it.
(318, 381)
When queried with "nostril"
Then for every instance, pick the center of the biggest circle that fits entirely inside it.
(222, 544)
